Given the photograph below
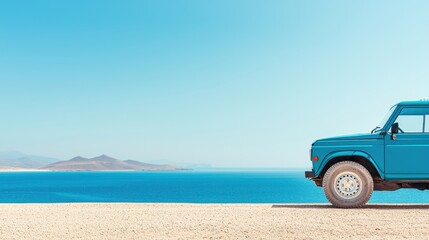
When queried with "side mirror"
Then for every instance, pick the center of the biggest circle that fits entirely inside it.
(395, 128)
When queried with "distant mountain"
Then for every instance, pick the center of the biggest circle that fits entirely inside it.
(106, 163)
(11, 154)
(17, 159)
(183, 164)
(152, 167)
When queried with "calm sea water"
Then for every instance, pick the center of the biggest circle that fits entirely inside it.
(182, 187)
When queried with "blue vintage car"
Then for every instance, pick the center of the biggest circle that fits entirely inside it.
(394, 155)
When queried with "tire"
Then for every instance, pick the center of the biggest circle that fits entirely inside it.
(348, 185)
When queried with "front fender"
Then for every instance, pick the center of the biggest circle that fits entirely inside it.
(333, 155)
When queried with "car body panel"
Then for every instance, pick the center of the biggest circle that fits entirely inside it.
(371, 148)
(399, 157)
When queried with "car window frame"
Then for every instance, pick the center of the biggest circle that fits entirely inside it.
(423, 122)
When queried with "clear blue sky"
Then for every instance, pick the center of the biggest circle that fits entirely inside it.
(230, 83)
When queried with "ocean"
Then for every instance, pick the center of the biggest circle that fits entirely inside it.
(232, 186)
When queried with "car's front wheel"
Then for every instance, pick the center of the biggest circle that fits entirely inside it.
(348, 185)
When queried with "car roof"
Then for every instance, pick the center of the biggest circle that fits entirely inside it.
(424, 102)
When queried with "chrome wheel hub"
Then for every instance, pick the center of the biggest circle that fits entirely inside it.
(347, 185)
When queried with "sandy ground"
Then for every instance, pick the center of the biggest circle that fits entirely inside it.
(189, 221)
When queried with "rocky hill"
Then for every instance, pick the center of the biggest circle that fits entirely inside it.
(15, 159)
(106, 163)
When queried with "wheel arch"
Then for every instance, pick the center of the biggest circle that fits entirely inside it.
(359, 157)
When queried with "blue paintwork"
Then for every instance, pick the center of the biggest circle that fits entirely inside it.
(370, 146)
(408, 155)
(405, 158)
(360, 136)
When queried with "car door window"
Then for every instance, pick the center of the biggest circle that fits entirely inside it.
(413, 120)
(410, 123)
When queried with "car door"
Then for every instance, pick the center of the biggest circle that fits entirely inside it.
(407, 152)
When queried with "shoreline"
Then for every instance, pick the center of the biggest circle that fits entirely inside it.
(211, 221)
(24, 170)
(273, 205)
(88, 171)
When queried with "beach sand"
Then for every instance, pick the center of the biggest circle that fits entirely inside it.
(211, 221)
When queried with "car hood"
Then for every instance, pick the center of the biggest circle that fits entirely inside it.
(361, 136)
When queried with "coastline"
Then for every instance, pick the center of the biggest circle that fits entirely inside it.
(211, 221)
(23, 170)
(89, 171)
